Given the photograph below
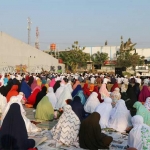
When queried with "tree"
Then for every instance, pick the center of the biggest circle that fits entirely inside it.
(127, 56)
(74, 57)
(99, 58)
(65, 56)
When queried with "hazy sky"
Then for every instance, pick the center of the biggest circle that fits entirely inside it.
(91, 22)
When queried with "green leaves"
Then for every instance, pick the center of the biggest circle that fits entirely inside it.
(127, 59)
(99, 58)
(74, 57)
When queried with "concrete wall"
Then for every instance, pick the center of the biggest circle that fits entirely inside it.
(15, 52)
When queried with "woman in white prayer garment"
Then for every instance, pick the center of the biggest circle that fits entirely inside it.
(17, 99)
(60, 89)
(104, 109)
(64, 96)
(52, 97)
(120, 117)
(139, 136)
(91, 103)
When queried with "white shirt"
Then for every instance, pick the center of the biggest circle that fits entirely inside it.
(93, 80)
(106, 80)
(126, 81)
(119, 80)
(138, 80)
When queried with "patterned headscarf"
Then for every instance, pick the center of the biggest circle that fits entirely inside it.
(147, 103)
(67, 128)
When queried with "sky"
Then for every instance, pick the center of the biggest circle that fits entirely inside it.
(90, 22)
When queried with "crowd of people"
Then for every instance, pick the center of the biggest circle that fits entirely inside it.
(83, 105)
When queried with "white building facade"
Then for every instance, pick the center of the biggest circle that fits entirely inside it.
(109, 66)
(111, 50)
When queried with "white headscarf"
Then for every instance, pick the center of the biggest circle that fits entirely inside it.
(13, 99)
(59, 90)
(67, 128)
(123, 88)
(104, 109)
(146, 82)
(117, 89)
(65, 95)
(120, 117)
(91, 103)
(69, 86)
(115, 96)
(147, 103)
(139, 136)
(3, 102)
(51, 96)
(17, 99)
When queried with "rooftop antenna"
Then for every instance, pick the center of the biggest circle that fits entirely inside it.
(37, 38)
(29, 29)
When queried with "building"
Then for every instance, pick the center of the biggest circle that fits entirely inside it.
(109, 65)
(17, 55)
(111, 50)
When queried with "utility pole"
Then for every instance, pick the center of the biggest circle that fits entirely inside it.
(37, 38)
(29, 29)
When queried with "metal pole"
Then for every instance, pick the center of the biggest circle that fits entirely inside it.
(29, 29)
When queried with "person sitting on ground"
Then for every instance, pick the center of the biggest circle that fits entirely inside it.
(12, 92)
(90, 135)
(91, 103)
(75, 83)
(142, 111)
(39, 96)
(103, 91)
(17, 99)
(13, 133)
(78, 107)
(144, 93)
(25, 88)
(32, 97)
(52, 97)
(147, 103)
(86, 90)
(67, 128)
(120, 117)
(104, 109)
(139, 136)
(115, 85)
(56, 86)
(115, 96)
(44, 109)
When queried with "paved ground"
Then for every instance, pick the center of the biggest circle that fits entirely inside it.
(44, 124)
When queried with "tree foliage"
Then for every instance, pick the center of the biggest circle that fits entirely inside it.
(74, 57)
(99, 58)
(127, 59)
(127, 56)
